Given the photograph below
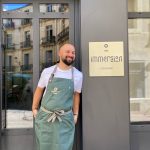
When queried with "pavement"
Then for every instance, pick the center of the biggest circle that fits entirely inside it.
(24, 118)
(19, 119)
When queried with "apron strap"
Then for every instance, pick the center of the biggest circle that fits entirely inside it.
(73, 77)
(56, 114)
(72, 74)
(52, 75)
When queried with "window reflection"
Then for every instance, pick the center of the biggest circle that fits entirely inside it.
(54, 8)
(53, 34)
(139, 69)
(138, 5)
(17, 7)
(17, 71)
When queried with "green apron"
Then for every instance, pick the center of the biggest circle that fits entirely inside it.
(54, 123)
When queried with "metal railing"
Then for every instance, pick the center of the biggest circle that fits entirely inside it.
(27, 67)
(26, 44)
(9, 68)
(48, 40)
(63, 34)
(9, 25)
(26, 21)
(9, 46)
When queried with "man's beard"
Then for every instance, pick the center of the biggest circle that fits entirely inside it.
(68, 62)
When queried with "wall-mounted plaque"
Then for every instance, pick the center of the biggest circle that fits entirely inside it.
(106, 59)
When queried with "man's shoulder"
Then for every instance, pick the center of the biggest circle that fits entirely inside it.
(48, 69)
(77, 72)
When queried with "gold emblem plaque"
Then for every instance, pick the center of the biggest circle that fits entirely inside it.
(106, 59)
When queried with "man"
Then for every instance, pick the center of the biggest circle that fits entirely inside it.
(55, 121)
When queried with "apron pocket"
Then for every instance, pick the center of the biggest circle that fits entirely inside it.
(38, 114)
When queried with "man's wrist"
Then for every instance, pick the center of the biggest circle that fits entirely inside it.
(34, 109)
(75, 114)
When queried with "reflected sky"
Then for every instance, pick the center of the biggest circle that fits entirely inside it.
(9, 7)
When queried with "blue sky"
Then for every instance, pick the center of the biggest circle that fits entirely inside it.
(9, 7)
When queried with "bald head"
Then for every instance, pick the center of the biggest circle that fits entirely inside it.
(67, 54)
(67, 46)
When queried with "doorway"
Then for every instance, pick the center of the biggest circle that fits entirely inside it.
(26, 38)
(32, 32)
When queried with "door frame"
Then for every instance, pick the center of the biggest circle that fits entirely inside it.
(74, 37)
(36, 16)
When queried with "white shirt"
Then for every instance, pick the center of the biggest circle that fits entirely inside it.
(46, 73)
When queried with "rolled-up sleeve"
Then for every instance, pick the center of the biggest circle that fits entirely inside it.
(78, 84)
(42, 82)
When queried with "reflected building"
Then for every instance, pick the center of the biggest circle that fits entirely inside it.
(53, 34)
(139, 62)
(18, 36)
(18, 45)
(18, 49)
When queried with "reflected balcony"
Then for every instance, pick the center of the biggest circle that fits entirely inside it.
(50, 40)
(26, 44)
(27, 67)
(63, 35)
(10, 68)
(45, 65)
(9, 25)
(9, 46)
(26, 22)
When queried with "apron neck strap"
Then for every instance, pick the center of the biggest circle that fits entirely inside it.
(72, 70)
(53, 73)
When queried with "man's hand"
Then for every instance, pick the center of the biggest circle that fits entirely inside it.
(75, 118)
(36, 100)
(35, 111)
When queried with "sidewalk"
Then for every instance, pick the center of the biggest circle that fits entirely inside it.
(19, 119)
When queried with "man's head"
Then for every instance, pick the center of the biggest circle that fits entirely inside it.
(67, 54)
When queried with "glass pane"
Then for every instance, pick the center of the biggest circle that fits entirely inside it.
(17, 7)
(138, 5)
(139, 69)
(54, 8)
(53, 33)
(17, 72)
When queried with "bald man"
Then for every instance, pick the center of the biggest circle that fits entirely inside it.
(56, 118)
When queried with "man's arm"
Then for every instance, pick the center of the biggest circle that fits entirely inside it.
(76, 103)
(36, 100)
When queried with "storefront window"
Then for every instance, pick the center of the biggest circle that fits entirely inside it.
(138, 5)
(17, 72)
(139, 69)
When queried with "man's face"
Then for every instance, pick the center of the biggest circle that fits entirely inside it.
(67, 54)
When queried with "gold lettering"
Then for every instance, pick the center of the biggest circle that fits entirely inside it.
(106, 59)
